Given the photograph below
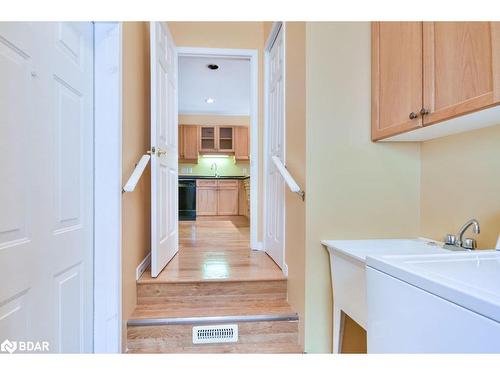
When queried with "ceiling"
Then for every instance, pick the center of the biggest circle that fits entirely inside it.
(229, 86)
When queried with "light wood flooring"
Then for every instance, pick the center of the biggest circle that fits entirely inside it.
(214, 279)
(215, 249)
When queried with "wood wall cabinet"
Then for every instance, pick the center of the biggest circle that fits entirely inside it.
(188, 143)
(241, 143)
(428, 72)
(217, 197)
(396, 77)
(216, 139)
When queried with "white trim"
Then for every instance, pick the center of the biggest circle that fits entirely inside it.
(145, 263)
(276, 28)
(107, 208)
(253, 56)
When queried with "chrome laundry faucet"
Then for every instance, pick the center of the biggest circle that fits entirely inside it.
(457, 242)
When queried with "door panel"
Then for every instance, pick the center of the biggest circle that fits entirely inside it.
(458, 68)
(228, 200)
(46, 146)
(206, 201)
(164, 138)
(275, 185)
(396, 77)
(190, 139)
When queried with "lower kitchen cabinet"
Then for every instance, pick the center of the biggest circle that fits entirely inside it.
(206, 197)
(217, 197)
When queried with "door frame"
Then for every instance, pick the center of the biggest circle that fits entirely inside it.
(253, 56)
(108, 209)
(276, 28)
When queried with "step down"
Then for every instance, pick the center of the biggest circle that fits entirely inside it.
(264, 327)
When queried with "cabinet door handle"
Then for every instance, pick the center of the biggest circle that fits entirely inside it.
(424, 111)
(413, 115)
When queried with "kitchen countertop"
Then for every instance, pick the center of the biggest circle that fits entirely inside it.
(194, 177)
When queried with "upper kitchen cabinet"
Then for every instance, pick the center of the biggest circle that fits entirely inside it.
(189, 141)
(225, 138)
(208, 138)
(434, 72)
(461, 63)
(242, 144)
(396, 77)
(216, 139)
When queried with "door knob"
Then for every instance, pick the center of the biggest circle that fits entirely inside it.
(424, 111)
(413, 115)
(160, 152)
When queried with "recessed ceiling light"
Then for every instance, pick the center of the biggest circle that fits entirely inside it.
(210, 100)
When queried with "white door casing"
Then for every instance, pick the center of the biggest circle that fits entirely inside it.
(164, 163)
(46, 184)
(274, 143)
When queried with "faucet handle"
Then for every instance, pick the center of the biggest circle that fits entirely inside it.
(450, 239)
(469, 244)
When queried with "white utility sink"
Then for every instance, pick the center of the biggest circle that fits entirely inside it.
(440, 303)
(348, 261)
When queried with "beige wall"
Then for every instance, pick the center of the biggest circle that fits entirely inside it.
(229, 35)
(461, 180)
(355, 188)
(213, 120)
(136, 139)
(296, 163)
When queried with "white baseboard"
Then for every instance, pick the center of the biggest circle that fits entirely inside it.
(142, 266)
(285, 269)
(258, 246)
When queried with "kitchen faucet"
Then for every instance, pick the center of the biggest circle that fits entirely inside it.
(214, 166)
(457, 242)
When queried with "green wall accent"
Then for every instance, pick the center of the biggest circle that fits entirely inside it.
(225, 167)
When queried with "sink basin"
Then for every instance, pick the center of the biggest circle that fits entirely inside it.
(438, 303)
(469, 279)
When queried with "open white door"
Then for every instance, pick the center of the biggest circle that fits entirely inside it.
(274, 134)
(164, 167)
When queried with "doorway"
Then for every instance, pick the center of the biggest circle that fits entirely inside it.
(218, 137)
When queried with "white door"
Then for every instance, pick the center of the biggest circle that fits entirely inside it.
(274, 133)
(164, 167)
(46, 184)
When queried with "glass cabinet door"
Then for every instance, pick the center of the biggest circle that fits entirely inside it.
(207, 138)
(226, 138)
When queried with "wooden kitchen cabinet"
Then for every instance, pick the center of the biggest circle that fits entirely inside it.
(217, 197)
(206, 197)
(216, 139)
(190, 143)
(461, 68)
(432, 72)
(208, 138)
(225, 139)
(241, 143)
(228, 197)
(180, 148)
(396, 77)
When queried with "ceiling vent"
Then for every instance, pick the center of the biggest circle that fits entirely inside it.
(215, 334)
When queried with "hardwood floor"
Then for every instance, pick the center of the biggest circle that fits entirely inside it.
(214, 279)
(215, 249)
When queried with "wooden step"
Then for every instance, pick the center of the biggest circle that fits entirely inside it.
(264, 327)
(202, 291)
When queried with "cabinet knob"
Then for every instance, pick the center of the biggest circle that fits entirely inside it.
(424, 111)
(413, 115)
